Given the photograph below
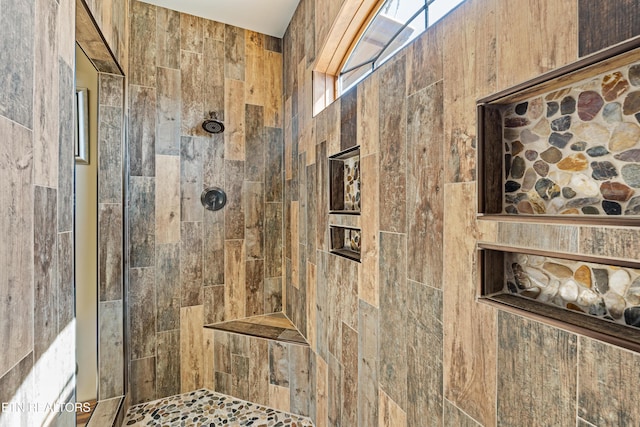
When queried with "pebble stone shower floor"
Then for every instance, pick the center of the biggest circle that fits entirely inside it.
(207, 408)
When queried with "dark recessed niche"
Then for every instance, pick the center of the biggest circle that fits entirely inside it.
(566, 143)
(596, 297)
(344, 184)
(345, 242)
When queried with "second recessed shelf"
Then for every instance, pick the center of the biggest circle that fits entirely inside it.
(344, 184)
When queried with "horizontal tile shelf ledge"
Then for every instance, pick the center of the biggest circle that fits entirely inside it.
(275, 327)
(562, 219)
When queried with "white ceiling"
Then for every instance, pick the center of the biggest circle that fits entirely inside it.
(264, 16)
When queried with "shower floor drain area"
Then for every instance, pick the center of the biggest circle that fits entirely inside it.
(207, 408)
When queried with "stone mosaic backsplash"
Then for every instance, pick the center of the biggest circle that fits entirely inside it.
(352, 239)
(576, 151)
(607, 292)
(352, 183)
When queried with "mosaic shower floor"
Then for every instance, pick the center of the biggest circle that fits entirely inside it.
(207, 408)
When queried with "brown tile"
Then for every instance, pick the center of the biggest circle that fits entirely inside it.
(192, 78)
(311, 303)
(254, 287)
(213, 30)
(240, 376)
(259, 371)
(368, 133)
(221, 352)
(213, 91)
(254, 68)
(168, 286)
(391, 415)
(454, 417)
(234, 67)
(213, 240)
(613, 242)
(167, 199)
(348, 120)
(191, 185)
(234, 113)
(425, 186)
(334, 392)
(393, 317)
(168, 113)
(234, 287)
(254, 232)
(393, 148)
(142, 312)
(272, 294)
(66, 162)
(45, 264)
(168, 33)
(535, 360)
(168, 364)
(143, 380)
(234, 210)
(273, 44)
(191, 346)
(300, 379)
(143, 44)
(213, 304)
(17, 386)
(273, 69)
(424, 60)
(350, 391)
(110, 130)
(142, 130)
(110, 257)
(191, 264)
(273, 164)
(65, 280)
(223, 383)
(367, 364)
(322, 189)
(141, 221)
(321, 416)
(254, 143)
(17, 35)
(279, 398)
(551, 237)
(368, 288)
(208, 368)
(279, 364)
(273, 239)
(603, 386)
(469, 327)
(110, 347)
(191, 33)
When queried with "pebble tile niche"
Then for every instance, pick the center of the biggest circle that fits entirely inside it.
(345, 182)
(576, 150)
(603, 291)
(346, 242)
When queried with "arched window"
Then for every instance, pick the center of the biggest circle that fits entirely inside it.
(395, 24)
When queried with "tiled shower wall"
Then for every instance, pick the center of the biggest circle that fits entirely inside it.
(190, 266)
(36, 206)
(400, 339)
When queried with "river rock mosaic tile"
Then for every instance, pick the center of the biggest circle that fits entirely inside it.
(207, 408)
(352, 184)
(575, 151)
(607, 292)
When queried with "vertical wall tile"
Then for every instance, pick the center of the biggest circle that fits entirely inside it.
(213, 30)
(279, 363)
(143, 44)
(424, 60)
(368, 364)
(168, 286)
(65, 280)
(191, 344)
(393, 147)
(368, 289)
(300, 379)
(142, 130)
(255, 143)
(191, 83)
(45, 264)
(454, 417)
(259, 371)
(393, 317)
(110, 251)
(349, 119)
(279, 398)
(141, 221)
(214, 303)
(273, 165)
(168, 44)
(208, 348)
(221, 352)
(110, 348)
(167, 199)
(255, 287)
(254, 234)
(213, 90)
(368, 107)
(322, 180)
(16, 257)
(191, 33)
(17, 386)
(110, 154)
(168, 364)
(17, 40)
(603, 385)
(234, 287)
(273, 89)
(234, 113)
(191, 179)
(240, 376)
(425, 185)
(142, 297)
(143, 380)
(254, 68)
(321, 390)
(66, 163)
(213, 247)
(311, 213)
(234, 210)
(469, 328)
(350, 378)
(191, 264)
(310, 306)
(168, 113)
(334, 392)
(424, 354)
(234, 61)
(391, 414)
(535, 360)
(273, 239)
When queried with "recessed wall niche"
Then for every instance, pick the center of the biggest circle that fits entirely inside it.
(565, 144)
(344, 185)
(345, 242)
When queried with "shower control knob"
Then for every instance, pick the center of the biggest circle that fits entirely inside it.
(213, 198)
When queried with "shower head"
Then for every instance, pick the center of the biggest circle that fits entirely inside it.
(212, 124)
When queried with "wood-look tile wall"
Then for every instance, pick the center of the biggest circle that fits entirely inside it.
(400, 339)
(37, 331)
(189, 266)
